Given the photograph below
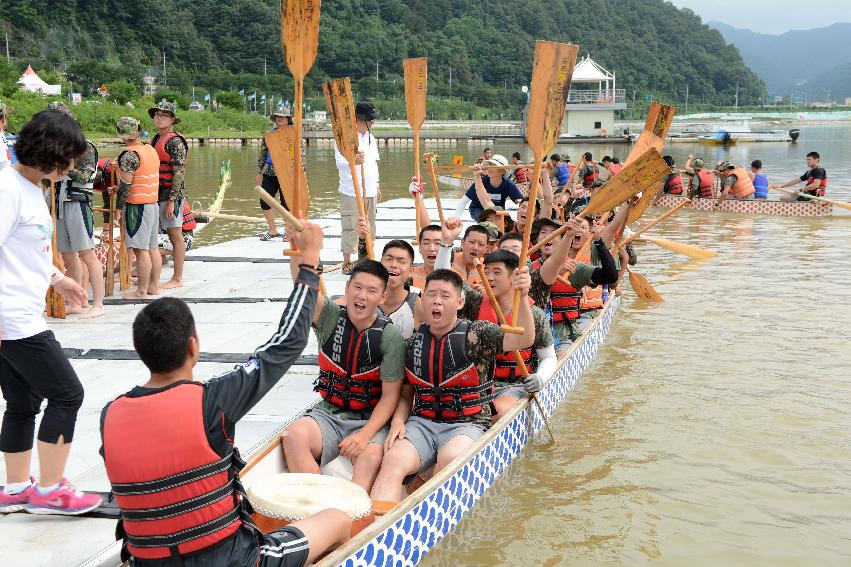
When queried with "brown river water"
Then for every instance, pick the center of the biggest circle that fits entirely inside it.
(714, 428)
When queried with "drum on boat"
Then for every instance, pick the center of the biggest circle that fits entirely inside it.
(282, 499)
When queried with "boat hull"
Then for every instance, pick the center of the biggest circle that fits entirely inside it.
(415, 526)
(751, 207)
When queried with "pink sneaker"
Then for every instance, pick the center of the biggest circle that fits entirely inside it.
(16, 502)
(65, 500)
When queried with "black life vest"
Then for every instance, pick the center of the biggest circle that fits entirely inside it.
(447, 385)
(350, 365)
(74, 191)
(176, 493)
(166, 164)
(821, 189)
(590, 175)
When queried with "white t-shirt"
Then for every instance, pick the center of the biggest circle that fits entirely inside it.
(5, 156)
(26, 256)
(403, 317)
(369, 146)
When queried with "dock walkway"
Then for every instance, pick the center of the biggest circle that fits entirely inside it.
(236, 291)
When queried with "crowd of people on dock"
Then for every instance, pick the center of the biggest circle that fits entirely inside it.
(415, 361)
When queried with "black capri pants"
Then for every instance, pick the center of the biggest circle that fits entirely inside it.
(272, 186)
(33, 370)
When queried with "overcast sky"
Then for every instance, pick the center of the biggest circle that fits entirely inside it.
(771, 16)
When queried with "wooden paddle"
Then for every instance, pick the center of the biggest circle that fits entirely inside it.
(652, 223)
(551, 74)
(569, 184)
(814, 198)
(634, 178)
(54, 300)
(223, 216)
(109, 284)
(642, 287)
(341, 110)
(463, 169)
(416, 88)
(125, 279)
(659, 119)
(695, 252)
(500, 316)
(282, 145)
(637, 210)
(430, 159)
(300, 41)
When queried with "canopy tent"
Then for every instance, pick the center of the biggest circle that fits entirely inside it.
(587, 71)
(30, 81)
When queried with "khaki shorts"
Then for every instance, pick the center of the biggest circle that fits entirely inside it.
(334, 429)
(176, 220)
(504, 389)
(143, 226)
(428, 436)
(75, 227)
(349, 222)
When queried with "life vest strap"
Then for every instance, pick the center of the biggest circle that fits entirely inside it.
(454, 403)
(169, 482)
(161, 513)
(184, 536)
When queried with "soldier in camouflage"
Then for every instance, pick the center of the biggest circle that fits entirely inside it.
(138, 186)
(173, 152)
(75, 223)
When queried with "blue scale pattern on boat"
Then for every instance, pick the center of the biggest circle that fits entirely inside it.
(406, 542)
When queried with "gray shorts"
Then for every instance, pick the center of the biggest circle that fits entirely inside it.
(516, 391)
(176, 221)
(334, 429)
(143, 227)
(75, 228)
(429, 436)
(349, 221)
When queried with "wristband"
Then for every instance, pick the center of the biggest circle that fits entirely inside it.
(317, 269)
(442, 245)
(56, 276)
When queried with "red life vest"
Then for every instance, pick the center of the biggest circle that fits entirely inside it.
(821, 189)
(564, 302)
(106, 166)
(447, 385)
(349, 370)
(189, 223)
(615, 168)
(592, 297)
(674, 185)
(521, 175)
(166, 164)
(176, 493)
(705, 184)
(505, 365)
(590, 176)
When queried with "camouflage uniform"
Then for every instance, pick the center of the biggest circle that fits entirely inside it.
(179, 154)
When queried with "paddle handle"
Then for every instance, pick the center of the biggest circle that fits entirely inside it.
(572, 175)
(527, 229)
(500, 316)
(549, 238)
(223, 216)
(815, 198)
(125, 278)
(501, 219)
(109, 284)
(417, 172)
(297, 166)
(276, 206)
(55, 302)
(359, 199)
(436, 190)
(652, 223)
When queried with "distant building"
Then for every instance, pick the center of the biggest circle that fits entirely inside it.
(847, 101)
(591, 107)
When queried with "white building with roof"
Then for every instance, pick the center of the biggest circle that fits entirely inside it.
(592, 101)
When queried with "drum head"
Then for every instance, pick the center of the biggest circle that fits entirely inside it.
(293, 496)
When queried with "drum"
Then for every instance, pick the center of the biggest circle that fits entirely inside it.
(282, 499)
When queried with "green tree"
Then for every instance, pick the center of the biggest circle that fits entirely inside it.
(122, 91)
(230, 99)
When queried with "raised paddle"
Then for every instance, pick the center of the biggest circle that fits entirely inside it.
(642, 287)
(125, 279)
(416, 88)
(430, 159)
(695, 252)
(636, 177)
(551, 74)
(300, 41)
(659, 118)
(814, 198)
(570, 179)
(109, 284)
(283, 145)
(637, 210)
(500, 316)
(652, 223)
(276, 206)
(341, 110)
(55, 302)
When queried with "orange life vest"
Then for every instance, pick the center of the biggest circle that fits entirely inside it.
(176, 493)
(146, 179)
(592, 297)
(189, 223)
(743, 185)
(447, 385)
(705, 184)
(674, 185)
(418, 276)
(460, 268)
(350, 365)
(615, 168)
(505, 365)
(166, 164)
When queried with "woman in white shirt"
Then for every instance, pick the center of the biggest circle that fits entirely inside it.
(32, 365)
(5, 154)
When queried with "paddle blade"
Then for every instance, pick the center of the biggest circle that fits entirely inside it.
(695, 252)
(282, 146)
(638, 209)
(341, 111)
(416, 78)
(656, 126)
(300, 34)
(641, 175)
(551, 74)
(642, 288)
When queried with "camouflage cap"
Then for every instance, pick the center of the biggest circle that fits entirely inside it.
(697, 163)
(58, 105)
(725, 165)
(280, 111)
(127, 126)
(165, 106)
(493, 231)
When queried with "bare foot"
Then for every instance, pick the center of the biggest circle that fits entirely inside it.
(93, 313)
(154, 290)
(73, 309)
(165, 260)
(134, 295)
(172, 284)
